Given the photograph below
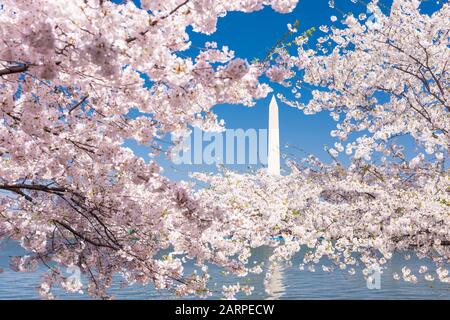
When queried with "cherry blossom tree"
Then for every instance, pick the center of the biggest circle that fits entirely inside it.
(71, 193)
(385, 77)
(382, 78)
(342, 217)
(71, 75)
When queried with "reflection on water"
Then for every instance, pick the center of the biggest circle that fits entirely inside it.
(275, 285)
(287, 283)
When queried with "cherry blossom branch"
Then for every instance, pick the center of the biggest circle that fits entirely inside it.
(79, 103)
(18, 187)
(14, 69)
(81, 236)
(154, 23)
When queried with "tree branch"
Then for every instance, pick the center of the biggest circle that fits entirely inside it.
(154, 23)
(78, 104)
(14, 69)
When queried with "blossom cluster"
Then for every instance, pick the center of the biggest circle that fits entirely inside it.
(71, 73)
(342, 217)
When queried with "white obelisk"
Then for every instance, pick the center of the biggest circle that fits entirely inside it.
(274, 139)
(275, 284)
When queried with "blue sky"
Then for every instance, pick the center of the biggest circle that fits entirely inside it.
(252, 35)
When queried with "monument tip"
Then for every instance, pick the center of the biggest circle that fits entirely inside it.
(274, 139)
(274, 99)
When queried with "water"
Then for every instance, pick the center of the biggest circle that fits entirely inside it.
(289, 283)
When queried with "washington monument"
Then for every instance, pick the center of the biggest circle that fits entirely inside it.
(274, 139)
